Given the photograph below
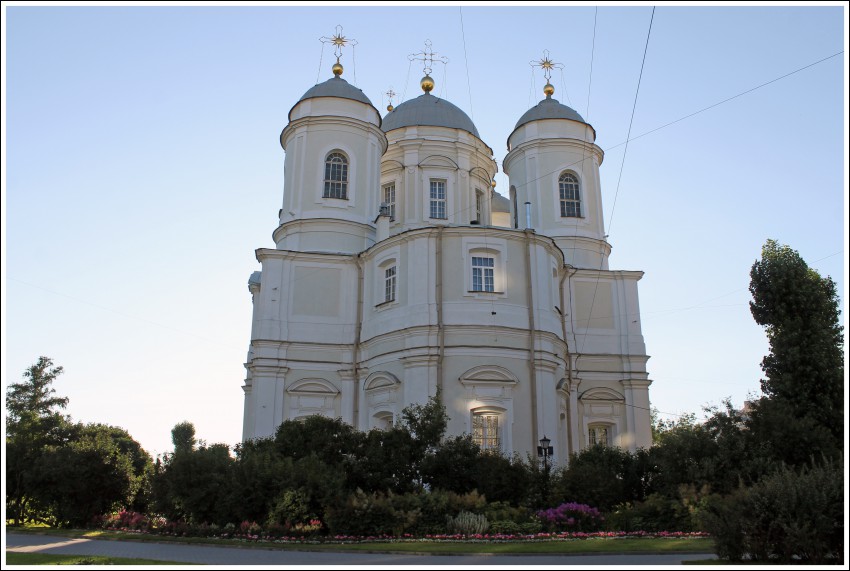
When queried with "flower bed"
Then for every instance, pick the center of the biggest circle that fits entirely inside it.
(439, 538)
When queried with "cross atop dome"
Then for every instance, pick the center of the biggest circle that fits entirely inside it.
(338, 41)
(547, 65)
(390, 94)
(427, 58)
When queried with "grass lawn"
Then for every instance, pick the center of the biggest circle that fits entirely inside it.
(53, 559)
(576, 546)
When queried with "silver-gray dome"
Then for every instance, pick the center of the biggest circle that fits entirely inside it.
(431, 111)
(549, 109)
(336, 87)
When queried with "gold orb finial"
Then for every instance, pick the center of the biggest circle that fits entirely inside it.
(548, 89)
(337, 69)
(390, 107)
(493, 183)
(427, 84)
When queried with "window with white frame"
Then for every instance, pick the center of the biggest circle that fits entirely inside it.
(485, 430)
(389, 284)
(570, 198)
(336, 176)
(438, 199)
(389, 200)
(482, 273)
(479, 207)
(599, 434)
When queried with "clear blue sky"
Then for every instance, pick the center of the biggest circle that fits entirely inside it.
(142, 169)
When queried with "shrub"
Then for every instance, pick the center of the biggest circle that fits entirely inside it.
(467, 523)
(503, 511)
(531, 527)
(658, 513)
(572, 517)
(789, 516)
(374, 514)
(437, 504)
(505, 527)
(290, 507)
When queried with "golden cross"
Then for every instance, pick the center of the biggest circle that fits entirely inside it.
(547, 64)
(339, 41)
(427, 57)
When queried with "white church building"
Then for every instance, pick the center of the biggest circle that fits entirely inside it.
(398, 272)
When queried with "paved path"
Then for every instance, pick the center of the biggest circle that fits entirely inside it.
(213, 555)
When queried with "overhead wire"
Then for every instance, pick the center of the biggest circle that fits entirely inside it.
(619, 179)
(656, 129)
(620, 144)
(476, 191)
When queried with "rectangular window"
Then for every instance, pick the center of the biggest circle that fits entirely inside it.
(389, 200)
(389, 284)
(478, 209)
(482, 274)
(485, 431)
(438, 199)
(599, 435)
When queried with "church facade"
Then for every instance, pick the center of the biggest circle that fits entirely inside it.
(398, 272)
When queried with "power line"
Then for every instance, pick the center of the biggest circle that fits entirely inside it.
(727, 99)
(631, 121)
(622, 164)
(696, 112)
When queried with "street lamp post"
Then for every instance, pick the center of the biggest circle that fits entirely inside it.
(545, 451)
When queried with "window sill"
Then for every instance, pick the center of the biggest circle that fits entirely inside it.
(386, 304)
(487, 295)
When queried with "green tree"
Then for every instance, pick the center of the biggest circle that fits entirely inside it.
(600, 476)
(260, 476)
(88, 476)
(331, 439)
(804, 370)
(183, 437)
(502, 479)
(33, 424)
(194, 483)
(427, 423)
(452, 466)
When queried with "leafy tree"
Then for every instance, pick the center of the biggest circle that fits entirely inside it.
(194, 483)
(804, 370)
(452, 466)
(600, 476)
(427, 423)
(260, 475)
(384, 461)
(33, 423)
(86, 477)
(183, 437)
(502, 479)
(331, 439)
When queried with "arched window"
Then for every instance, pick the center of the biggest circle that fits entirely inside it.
(570, 197)
(336, 176)
(486, 431)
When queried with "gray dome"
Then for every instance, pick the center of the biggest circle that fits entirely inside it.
(336, 87)
(431, 111)
(499, 203)
(549, 109)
